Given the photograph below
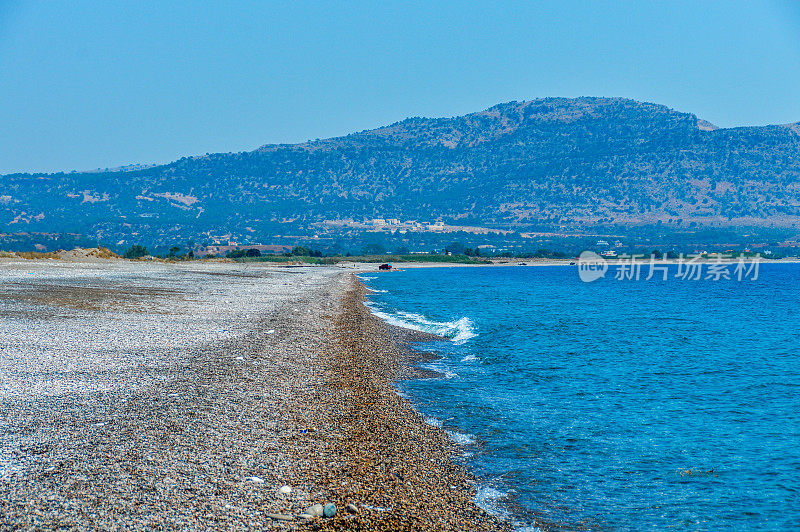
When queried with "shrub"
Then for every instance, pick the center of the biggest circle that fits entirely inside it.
(135, 252)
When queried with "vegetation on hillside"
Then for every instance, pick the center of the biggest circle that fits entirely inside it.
(549, 163)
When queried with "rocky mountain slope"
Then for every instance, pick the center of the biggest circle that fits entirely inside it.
(574, 163)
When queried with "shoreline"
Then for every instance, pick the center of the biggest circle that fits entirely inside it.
(185, 396)
(393, 457)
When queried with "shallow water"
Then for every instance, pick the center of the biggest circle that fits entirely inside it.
(614, 405)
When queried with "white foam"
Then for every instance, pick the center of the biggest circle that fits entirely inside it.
(441, 369)
(404, 395)
(460, 438)
(469, 358)
(459, 331)
(488, 493)
(433, 422)
(489, 499)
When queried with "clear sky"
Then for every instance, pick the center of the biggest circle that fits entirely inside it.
(100, 84)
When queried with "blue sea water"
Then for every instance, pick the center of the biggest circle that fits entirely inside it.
(613, 405)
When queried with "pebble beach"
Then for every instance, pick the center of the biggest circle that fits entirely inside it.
(202, 395)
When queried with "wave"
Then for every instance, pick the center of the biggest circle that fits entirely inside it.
(441, 369)
(366, 277)
(459, 331)
(495, 502)
(433, 422)
(490, 499)
(459, 438)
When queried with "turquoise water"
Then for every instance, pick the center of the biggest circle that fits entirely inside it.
(613, 405)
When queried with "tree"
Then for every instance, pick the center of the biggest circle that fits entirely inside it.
(135, 252)
(174, 250)
(301, 251)
(374, 249)
(456, 248)
(252, 252)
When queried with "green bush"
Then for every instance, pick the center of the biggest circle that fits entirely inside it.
(135, 252)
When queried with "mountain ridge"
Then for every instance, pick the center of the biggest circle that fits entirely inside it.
(564, 163)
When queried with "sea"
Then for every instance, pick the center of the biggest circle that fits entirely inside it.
(625, 403)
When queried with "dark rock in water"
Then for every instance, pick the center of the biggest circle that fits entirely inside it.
(352, 508)
(329, 510)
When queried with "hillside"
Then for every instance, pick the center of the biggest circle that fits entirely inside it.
(566, 163)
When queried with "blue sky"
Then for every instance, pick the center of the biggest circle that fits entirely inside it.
(101, 84)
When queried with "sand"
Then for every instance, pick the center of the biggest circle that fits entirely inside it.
(139, 396)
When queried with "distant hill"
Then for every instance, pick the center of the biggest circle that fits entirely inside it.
(568, 163)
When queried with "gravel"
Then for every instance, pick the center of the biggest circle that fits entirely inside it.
(140, 396)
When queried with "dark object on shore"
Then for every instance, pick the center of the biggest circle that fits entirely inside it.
(385, 266)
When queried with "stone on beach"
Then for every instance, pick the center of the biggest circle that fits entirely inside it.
(313, 415)
(281, 517)
(329, 510)
(315, 510)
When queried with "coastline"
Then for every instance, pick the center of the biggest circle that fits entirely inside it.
(186, 395)
(393, 458)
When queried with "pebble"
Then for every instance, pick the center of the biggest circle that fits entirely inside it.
(281, 517)
(257, 480)
(256, 417)
(377, 508)
(315, 510)
(329, 510)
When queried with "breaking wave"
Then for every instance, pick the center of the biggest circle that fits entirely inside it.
(460, 438)
(459, 331)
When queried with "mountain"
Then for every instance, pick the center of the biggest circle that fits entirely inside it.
(570, 164)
